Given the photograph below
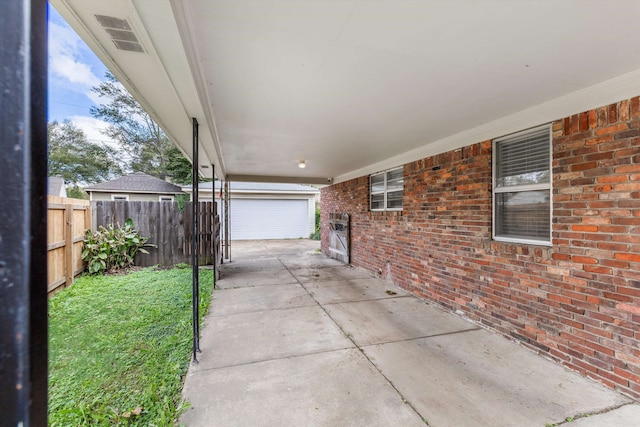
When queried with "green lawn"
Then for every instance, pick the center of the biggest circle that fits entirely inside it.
(119, 347)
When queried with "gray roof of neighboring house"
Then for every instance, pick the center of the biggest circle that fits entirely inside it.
(55, 185)
(258, 186)
(137, 182)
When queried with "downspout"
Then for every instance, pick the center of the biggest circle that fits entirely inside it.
(195, 211)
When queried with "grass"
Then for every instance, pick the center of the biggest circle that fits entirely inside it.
(120, 346)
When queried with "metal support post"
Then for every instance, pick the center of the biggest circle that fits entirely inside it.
(23, 213)
(227, 254)
(195, 214)
(214, 210)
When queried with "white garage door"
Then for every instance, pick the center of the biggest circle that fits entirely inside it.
(268, 219)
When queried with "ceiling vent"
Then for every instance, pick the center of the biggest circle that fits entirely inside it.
(121, 33)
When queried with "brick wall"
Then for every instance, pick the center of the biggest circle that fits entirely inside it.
(577, 301)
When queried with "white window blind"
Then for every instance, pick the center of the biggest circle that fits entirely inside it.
(522, 187)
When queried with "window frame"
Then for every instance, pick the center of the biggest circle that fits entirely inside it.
(521, 187)
(168, 199)
(118, 197)
(385, 190)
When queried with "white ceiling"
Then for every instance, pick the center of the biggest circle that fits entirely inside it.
(353, 87)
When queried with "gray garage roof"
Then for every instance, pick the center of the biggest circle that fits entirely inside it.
(137, 182)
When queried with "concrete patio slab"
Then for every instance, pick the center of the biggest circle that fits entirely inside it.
(352, 290)
(625, 416)
(290, 247)
(393, 319)
(248, 250)
(253, 265)
(255, 278)
(244, 300)
(263, 363)
(338, 388)
(237, 339)
(314, 260)
(342, 272)
(478, 378)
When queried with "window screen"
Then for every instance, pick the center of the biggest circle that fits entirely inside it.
(522, 187)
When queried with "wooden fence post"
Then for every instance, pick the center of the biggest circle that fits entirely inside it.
(68, 244)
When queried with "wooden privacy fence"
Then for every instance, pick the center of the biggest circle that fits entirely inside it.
(67, 221)
(167, 227)
(208, 234)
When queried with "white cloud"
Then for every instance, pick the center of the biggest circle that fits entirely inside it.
(65, 60)
(92, 127)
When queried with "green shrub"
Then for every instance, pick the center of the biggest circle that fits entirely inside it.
(113, 248)
(316, 233)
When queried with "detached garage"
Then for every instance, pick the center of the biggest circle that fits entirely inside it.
(266, 210)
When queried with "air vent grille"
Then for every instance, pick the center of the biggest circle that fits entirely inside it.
(121, 33)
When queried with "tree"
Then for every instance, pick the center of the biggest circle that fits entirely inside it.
(138, 135)
(76, 159)
(179, 167)
(76, 192)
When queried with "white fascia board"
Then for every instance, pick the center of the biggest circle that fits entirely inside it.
(614, 90)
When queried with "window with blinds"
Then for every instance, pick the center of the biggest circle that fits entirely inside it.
(522, 187)
(386, 190)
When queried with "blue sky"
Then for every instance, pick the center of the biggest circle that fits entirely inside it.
(73, 71)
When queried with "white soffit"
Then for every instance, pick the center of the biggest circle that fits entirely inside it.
(354, 87)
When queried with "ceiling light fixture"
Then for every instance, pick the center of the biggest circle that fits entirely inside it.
(302, 164)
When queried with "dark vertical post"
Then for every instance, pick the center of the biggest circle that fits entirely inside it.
(23, 212)
(213, 221)
(226, 218)
(195, 212)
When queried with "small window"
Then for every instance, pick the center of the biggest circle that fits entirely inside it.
(386, 190)
(120, 197)
(522, 187)
(166, 198)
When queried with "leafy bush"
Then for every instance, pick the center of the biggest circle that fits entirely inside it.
(316, 234)
(113, 248)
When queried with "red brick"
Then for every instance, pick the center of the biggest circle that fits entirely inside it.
(593, 119)
(612, 178)
(584, 259)
(622, 256)
(586, 228)
(628, 169)
(613, 113)
(611, 129)
(603, 116)
(634, 108)
(561, 298)
(623, 110)
(583, 122)
(563, 257)
(635, 309)
(584, 166)
(626, 374)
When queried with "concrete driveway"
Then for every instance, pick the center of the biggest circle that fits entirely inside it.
(294, 338)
